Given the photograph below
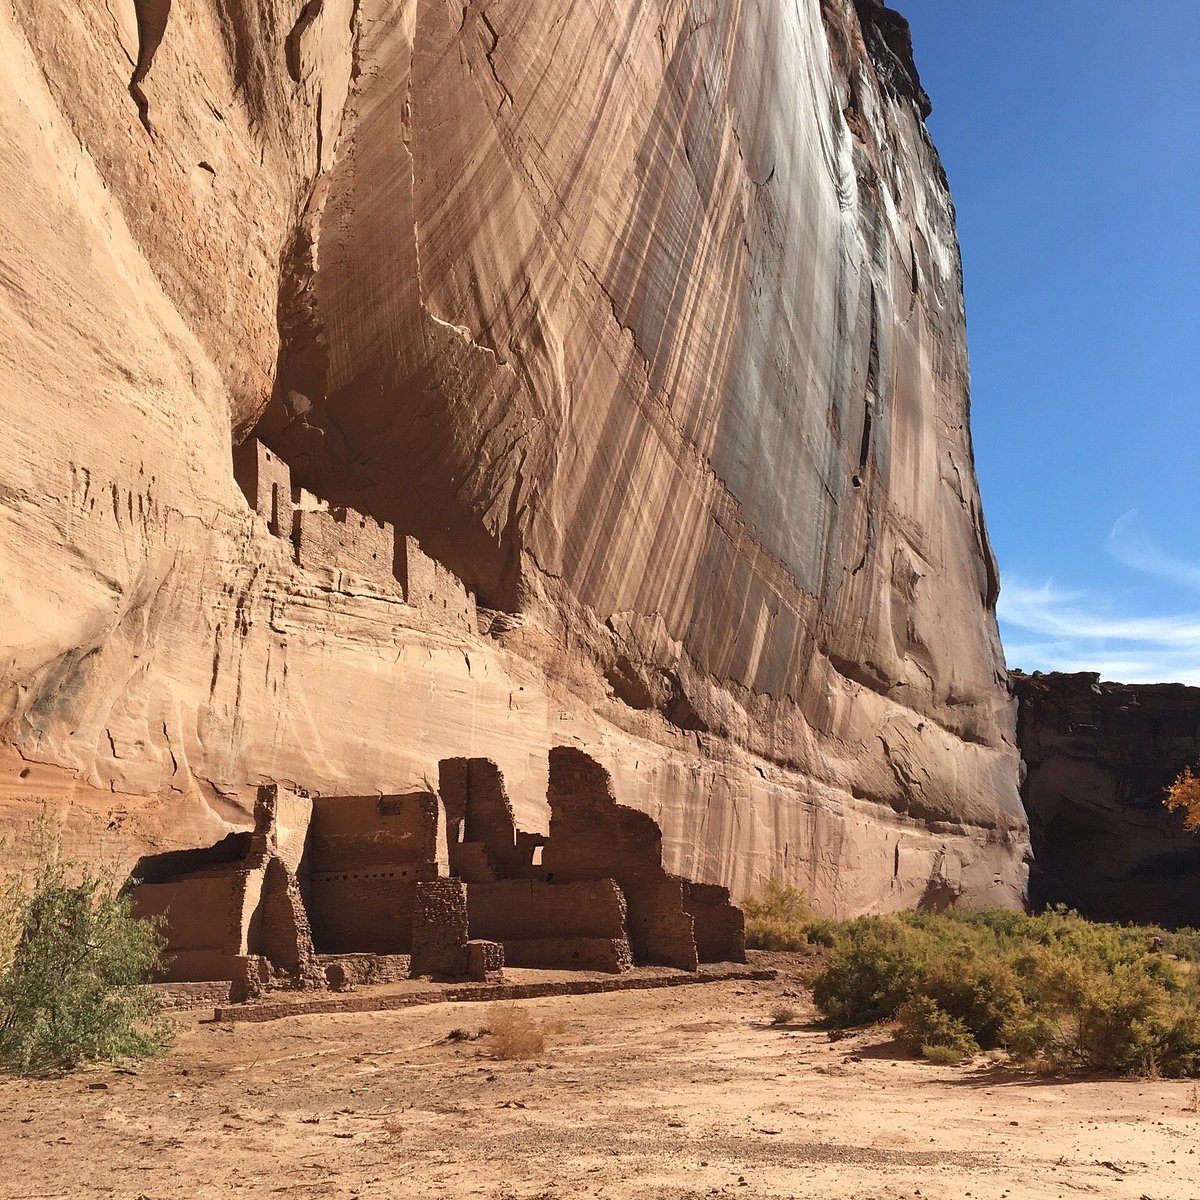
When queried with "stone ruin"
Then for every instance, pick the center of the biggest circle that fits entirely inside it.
(332, 891)
(342, 542)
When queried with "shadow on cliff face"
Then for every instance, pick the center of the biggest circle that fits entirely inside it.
(1099, 758)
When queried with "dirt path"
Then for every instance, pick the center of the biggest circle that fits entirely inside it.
(687, 1092)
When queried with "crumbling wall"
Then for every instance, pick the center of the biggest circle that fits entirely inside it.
(579, 925)
(201, 916)
(439, 929)
(720, 926)
(279, 930)
(594, 837)
(365, 858)
(429, 585)
(266, 482)
(483, 841)
(331, 538)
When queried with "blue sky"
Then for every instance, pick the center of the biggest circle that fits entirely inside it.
(1071, 135)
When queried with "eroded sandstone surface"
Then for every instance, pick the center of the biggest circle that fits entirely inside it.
(1099, 758)
(641, 324)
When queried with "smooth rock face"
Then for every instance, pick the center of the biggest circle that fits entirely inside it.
(645, 319)
(1099, 758)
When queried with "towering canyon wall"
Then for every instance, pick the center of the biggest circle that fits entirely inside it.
(645, 319)
(1098, 759)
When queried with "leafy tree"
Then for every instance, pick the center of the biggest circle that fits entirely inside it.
(1184, 796)
(74, 963)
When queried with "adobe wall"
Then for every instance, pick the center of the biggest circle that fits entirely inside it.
(720, 926)
(279, 929)
(365, 857)
(594, 837)
(202, 915)
(344, 539)
(483, 841)
(266, 482)
(578, 925)
(439, 929)
(429, 585)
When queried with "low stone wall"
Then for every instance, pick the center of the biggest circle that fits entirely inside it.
(569, 954)
(484, 993)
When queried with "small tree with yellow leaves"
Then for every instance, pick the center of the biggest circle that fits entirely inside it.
(1184, 795)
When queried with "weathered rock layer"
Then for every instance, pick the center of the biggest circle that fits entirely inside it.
(646, 320)
(1098, 759)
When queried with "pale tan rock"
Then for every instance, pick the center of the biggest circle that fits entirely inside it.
(648, 326)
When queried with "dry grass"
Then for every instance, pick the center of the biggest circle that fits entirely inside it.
(783, 1014)
(513, 1033)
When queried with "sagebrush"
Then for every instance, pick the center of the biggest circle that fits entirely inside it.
(1053, 990)
(74, 963)
(513, 1033)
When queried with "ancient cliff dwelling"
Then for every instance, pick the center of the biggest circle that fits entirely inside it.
(337, 890)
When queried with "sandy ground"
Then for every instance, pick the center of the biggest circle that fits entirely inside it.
(686, 1092)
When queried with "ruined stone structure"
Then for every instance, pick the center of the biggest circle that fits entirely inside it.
(335, 539)
(644, 321)
(335, 889)
(1098, 760)
(343, 539)
(594, 837)
(365, 859)
(266, 482)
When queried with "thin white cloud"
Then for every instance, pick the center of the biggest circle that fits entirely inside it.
(1046, 628)
(1128, 543)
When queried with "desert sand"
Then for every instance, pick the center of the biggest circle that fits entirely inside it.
(684, 1092)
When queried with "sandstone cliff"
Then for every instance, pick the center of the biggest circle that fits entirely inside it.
(1099, 758)
(645, 319)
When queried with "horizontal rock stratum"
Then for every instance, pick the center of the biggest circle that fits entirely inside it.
(644, 321)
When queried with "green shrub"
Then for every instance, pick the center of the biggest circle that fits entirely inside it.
(978, 990)
(73, 967)
(778, 919)
(871, 970)
(1052, 989)
(927, 1029)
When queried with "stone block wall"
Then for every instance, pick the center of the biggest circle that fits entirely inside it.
(720, 926)
(429, 585)
(439, 929)
(365, 857)
(202, 922)
(266, 482)
(484, 843)
(594, 837)
(345, 540)
(516, 909)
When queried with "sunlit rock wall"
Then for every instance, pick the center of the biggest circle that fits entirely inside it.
(646, 319)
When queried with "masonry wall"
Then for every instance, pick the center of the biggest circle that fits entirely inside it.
(266, 482)
(202, 922)
(439, 929)
(484, 843)
(345, 540)
(577, 925)
(720, 926)
(594, 837)
(429, 585)
(365, 857)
